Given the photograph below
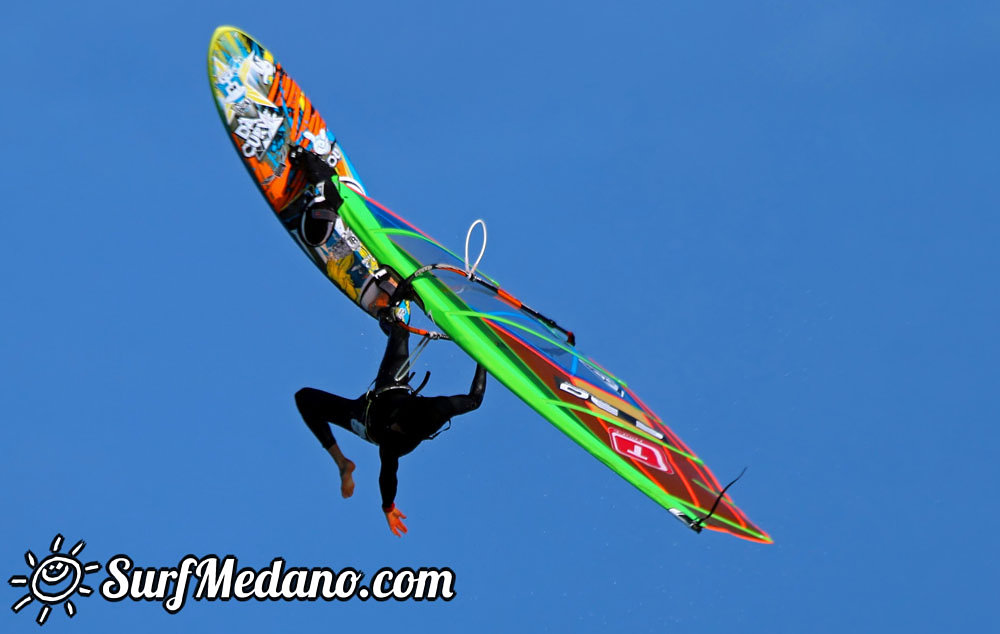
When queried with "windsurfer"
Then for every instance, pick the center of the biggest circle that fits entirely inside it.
(391, 415)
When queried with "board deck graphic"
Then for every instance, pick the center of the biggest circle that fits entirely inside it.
(267, 116)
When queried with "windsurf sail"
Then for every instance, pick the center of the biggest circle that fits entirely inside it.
(537, 359)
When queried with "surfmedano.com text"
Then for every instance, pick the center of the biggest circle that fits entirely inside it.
(210, 578)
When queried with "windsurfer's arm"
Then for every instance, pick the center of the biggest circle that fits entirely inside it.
(478, 387)
(397, 351)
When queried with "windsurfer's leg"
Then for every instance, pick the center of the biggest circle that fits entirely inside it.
(346, 468)
(397, 351)
(318, 409)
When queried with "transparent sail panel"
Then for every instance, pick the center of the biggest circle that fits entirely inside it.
(489, 304)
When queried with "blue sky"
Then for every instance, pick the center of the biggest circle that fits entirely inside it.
(776, 222)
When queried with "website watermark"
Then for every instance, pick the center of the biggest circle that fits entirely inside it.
(57, 579)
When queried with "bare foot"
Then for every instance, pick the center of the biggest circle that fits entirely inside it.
(346, 479)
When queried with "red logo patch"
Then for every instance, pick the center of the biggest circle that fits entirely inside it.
(638, 449)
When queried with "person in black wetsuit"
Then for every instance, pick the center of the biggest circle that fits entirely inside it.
(390, 416)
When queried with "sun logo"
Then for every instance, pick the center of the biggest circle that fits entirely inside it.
(54, 580)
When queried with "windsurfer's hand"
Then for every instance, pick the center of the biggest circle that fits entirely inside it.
(395, 518)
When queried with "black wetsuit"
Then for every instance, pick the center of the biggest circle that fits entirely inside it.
(396, 420)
